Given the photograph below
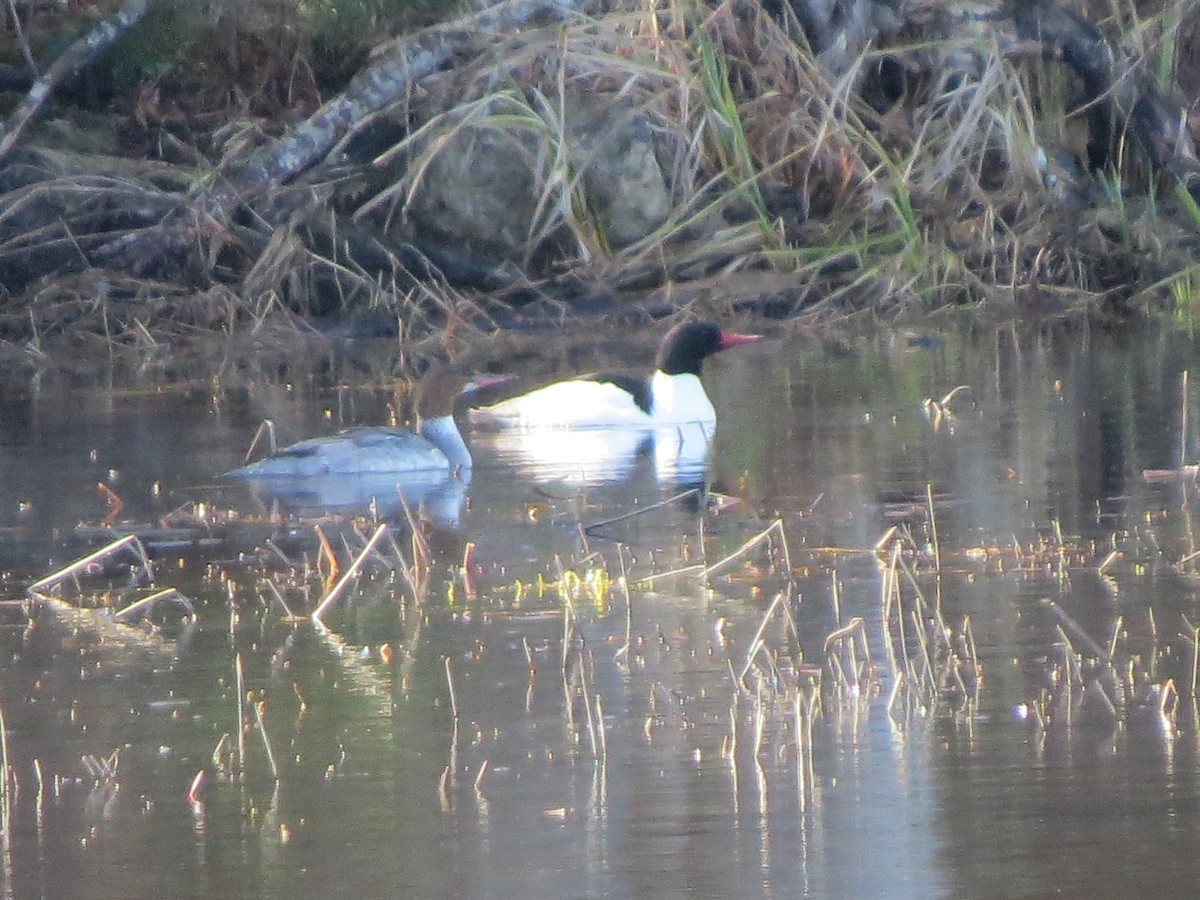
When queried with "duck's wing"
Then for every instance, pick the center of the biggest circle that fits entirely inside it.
(355, 451)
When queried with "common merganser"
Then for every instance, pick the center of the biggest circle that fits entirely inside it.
(438, 447)
(672, 395)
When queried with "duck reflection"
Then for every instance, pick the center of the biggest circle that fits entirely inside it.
(676, 454)
(432, 496)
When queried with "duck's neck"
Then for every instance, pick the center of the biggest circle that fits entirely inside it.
(680, 398)
(443, 433)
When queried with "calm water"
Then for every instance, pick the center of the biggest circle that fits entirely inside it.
(1069, 768)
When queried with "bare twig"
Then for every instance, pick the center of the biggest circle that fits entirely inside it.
(350, 573)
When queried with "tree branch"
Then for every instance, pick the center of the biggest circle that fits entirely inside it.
(75, 58)
(392, 73)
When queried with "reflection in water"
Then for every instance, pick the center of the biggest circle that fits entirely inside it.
(1076, 751)
(435, 495)
(677, 454)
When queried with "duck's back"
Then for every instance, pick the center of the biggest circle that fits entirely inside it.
(356, 451)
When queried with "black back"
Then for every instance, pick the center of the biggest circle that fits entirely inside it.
(639, 388)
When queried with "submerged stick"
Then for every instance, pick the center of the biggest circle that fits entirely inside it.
(352, 571)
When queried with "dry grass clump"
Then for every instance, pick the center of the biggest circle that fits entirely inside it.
(945, 168)
(1033, 160)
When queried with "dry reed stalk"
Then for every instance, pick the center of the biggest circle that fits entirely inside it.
(1113, 555)
(1116, 636)
(894, 695)
(443, 795)
(933, 530)
(450, 686)
(565, 666)
(465, 568)
(623, 650)
(1183, 418)
(239, 681)
(40, 800)
(146, 602)
(421, 553)
(529, 656)
(6, 778)
(927, 674)
(887, 590)
(757, 642)
(760, 721)
(647, 580)
(1194, 640)
(452, 764)
(350, 573)
(774, 527)
(835, 595)
(973, 656)
(589, 529)
(731, 744)
(603, 734)
(327, 554)
(288, 614)
(885, 538)
(804, 706)
(587, 705)
(408, 574)
(197, 785)
(266, 427)
(1168, 705)
(262, 731)
(40, 586)
(1076, 629)
(856, 631)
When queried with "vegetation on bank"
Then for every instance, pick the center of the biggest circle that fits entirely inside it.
(262, 163)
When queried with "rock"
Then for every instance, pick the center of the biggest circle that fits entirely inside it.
(483, 188)
(615, 144)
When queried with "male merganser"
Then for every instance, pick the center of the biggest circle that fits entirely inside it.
(671, 395)
(438, 447)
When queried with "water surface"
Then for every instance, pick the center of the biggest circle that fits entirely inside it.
(1055, 757)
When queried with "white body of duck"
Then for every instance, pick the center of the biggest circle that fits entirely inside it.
(671, 395)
